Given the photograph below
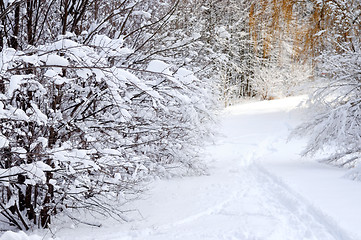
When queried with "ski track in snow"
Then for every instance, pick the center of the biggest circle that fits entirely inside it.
(238, 200)
(263, 209)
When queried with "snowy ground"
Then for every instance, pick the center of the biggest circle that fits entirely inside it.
(258, 188)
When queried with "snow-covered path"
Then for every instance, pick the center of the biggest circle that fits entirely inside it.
(246, 195)
(240, 199)
(249, 205)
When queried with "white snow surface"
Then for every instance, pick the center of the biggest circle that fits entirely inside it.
(258, 188)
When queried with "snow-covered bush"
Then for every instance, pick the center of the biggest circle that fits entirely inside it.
(88, 112)
(63, 120)
(336, 129)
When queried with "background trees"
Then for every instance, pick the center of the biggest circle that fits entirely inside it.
(232, 42)
(277, 29)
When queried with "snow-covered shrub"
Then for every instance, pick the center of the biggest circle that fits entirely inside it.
(335, 128)
(63, 114)
(88, 114)
(179, 54)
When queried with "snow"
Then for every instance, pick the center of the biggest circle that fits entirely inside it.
(142, 13)
(114, 45)
(126, 114)
(3, 141)
(20, 236)
(56, 60)
(63, 43)
(7, 2)
(258, 187)
(33, 59)
(185, 76)
(15, 82)
(158, 66)
(41, 117)
(320, 33)
(138, 83)
(50, 73)
(15, 236)
(223, 33)
(20, 115)
(34, 171)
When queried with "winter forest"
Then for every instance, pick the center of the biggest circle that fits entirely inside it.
(100, 97)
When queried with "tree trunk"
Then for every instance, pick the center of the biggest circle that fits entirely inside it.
(65, 17)
(14, 38)
(29, 13)
(45, 213)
